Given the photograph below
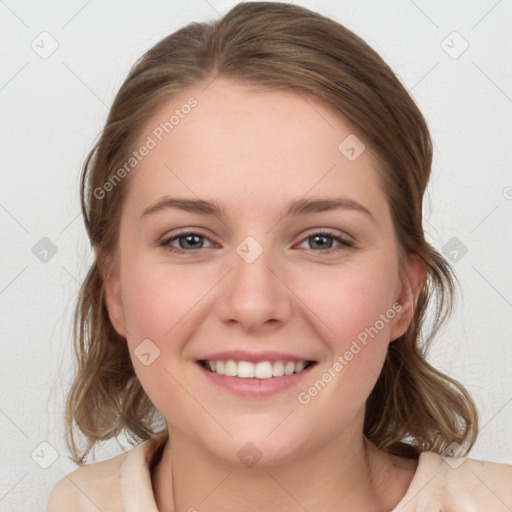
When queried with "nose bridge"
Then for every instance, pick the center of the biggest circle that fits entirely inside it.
(253, 263)
(253, 293)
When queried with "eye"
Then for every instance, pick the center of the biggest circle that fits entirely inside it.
(322, 241)
(193, 241)
(190, 241)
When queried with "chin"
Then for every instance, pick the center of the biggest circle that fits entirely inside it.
(254, 445)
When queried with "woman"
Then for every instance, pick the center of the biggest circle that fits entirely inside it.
(261, 279)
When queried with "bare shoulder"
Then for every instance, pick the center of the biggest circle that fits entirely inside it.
(88, 487)
(488, 473)
(466, 468)
(469, 481)
(108, 484)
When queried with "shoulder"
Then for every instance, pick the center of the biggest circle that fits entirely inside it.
(105, 485)
(87, 487)
(464, 483)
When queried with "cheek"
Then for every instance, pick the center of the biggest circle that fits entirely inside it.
(350, 298)
(166, 303)
(160, 303)
(355, 309)
(339, 307)
(158, 299)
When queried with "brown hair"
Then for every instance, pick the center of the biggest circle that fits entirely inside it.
(413, 407)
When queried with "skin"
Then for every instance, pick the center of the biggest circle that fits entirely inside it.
(253, 151)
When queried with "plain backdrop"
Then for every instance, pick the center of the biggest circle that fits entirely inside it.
(63, 62)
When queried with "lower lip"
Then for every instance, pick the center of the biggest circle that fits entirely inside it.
(257, 388)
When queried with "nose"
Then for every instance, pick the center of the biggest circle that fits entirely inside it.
(255, 295)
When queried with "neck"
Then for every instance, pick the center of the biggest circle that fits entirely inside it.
(347, 473)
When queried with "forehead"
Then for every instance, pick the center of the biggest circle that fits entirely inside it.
(241, 144)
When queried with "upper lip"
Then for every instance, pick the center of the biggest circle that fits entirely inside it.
(253, 357)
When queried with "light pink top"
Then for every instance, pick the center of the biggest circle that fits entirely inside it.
(123, 484)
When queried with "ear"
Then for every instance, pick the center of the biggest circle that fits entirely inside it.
(414, 275)
(109, 270)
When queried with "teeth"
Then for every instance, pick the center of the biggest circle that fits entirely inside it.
(289, 368)
(231, 368)
(245, 370)
(278, 369)
(299, 367)
(261, 370)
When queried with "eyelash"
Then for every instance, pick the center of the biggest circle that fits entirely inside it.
(344, 243)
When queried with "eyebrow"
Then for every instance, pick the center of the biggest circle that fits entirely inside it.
(297, 207)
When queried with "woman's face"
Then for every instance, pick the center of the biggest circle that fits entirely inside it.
(255, 239)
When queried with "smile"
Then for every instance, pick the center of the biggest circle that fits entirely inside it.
(259, 370)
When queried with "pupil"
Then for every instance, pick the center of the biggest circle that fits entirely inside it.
(324, 238)
(319, 240)
(189, 239)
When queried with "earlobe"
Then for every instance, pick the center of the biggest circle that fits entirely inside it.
(112, 294)
(413, 280)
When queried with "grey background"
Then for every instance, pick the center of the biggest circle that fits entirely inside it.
(53, 107)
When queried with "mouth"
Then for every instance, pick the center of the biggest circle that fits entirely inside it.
(261, 370)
